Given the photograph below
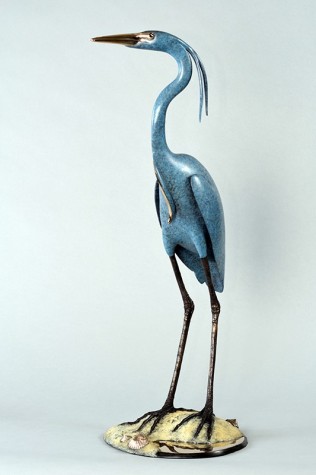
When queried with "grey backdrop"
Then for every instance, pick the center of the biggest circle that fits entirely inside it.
(90, 311)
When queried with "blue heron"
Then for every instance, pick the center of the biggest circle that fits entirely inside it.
(189, 210)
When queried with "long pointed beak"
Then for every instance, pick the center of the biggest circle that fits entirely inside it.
(127, 39)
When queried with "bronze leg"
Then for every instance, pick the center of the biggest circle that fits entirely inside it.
(206, 415)
(215, 308)
(169, 403)
(188, 311)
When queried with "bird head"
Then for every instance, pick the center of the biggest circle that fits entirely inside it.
(150, 40)
(161, 41)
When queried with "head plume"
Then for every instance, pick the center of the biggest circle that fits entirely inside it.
(202, 78)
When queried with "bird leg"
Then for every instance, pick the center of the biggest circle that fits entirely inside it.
(168, 406)
(188, 312)
(206, 415)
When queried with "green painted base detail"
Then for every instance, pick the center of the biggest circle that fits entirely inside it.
(163, 442)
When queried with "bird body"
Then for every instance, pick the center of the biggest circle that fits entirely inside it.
(195, 227)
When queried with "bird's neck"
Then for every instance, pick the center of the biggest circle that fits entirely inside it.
(158, 133)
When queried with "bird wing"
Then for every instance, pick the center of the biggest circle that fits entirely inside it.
(157, 200)
(209, 203)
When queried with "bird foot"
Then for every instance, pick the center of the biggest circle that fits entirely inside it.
(153, 416)
(205, 416)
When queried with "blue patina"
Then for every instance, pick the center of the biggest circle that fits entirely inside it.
(188, 203)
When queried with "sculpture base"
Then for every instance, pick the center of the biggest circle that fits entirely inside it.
(163, 442)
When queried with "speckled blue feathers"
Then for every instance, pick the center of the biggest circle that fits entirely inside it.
(188, 204)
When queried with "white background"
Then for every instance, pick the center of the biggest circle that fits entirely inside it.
(90, 311)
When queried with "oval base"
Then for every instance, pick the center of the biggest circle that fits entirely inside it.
(166, 442)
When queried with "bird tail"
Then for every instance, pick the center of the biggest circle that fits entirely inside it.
(193, 262)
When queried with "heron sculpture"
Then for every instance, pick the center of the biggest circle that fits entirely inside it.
(189, 210)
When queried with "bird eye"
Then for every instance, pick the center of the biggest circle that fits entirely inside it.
(146, 36)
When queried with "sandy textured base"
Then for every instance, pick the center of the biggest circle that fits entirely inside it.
(226, 438)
